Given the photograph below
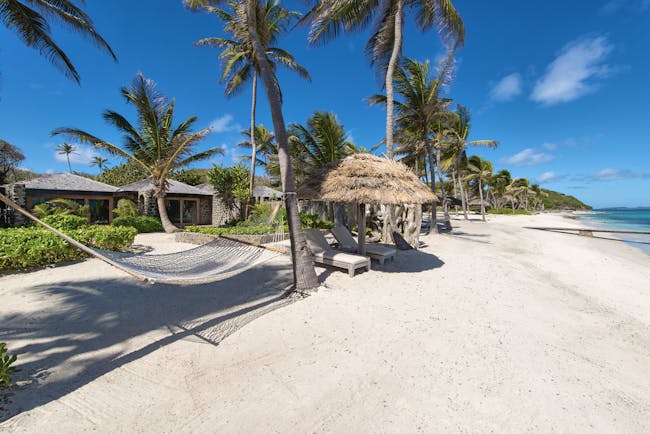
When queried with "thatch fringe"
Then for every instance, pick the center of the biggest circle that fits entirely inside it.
(366, 178)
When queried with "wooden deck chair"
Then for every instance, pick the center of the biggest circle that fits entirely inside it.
(349, 244)
(322, 253)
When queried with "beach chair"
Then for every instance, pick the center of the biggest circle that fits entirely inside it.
(322, 253)
(349, 244)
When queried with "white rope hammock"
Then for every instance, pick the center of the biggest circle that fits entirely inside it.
(216, 260)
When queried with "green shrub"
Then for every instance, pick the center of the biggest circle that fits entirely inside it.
(261, 214)
(508, 211)
(60, 206)
(249, 229)
(6, 370)
(126, 208)
(143, 224)
(313, 221)
(65, 222)
(34, 246)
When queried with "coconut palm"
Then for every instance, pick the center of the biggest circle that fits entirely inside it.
(264, 141)
(420, 107)
(238, 58)
(303, 269)
(320, 142)
(329, 17)
(154, 144)
(30, 20)
(67, 149)
(99, 161)
(480, 170)
(458, 133)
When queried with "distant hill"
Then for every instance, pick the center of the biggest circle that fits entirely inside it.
(556, 200)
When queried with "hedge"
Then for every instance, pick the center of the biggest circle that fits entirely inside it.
(142, 223)
(508, 211)
(34, 246)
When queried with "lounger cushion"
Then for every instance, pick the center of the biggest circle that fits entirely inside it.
(347, 258)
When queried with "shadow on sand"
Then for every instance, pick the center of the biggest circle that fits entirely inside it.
(94, 319)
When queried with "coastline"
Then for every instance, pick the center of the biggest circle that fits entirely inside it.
(641, 242)
(490, 327)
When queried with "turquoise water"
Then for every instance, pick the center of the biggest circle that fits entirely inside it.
(627, 219)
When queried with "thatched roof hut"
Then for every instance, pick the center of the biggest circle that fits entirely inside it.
(366, 179)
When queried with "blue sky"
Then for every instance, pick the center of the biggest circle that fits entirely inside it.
(563, 86)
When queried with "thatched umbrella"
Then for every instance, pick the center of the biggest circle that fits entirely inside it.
(366, 179)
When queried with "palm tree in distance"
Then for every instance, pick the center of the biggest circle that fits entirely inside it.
(480, 170)
(31, 24)
(264, 142)
(329, 17)
(67, 149)
(303, 269)
(155, 144)
(321, 141)
(238, 58)
(420, 107)
(99, 161)
(459, 132)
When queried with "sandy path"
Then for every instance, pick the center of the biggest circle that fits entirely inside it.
(493, 328)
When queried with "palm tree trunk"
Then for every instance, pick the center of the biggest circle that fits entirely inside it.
(433, 229)
(389, 218)
(162, 212)
(453, 178)
(304, 274)
(463, 198)
(480, 192)
(251, 184)
(69, 165)
(445, 208)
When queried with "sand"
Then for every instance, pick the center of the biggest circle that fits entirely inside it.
(490, 328)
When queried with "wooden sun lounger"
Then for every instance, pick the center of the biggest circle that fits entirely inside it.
(322, 253)
(349, 244)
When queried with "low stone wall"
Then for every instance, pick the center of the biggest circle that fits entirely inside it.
(197, 238)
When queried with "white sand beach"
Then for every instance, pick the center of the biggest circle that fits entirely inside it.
(491, 328)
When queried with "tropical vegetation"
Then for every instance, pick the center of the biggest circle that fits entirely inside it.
(155, 145)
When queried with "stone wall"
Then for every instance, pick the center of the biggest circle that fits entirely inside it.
(205, 211)
(147, 204)
(16, 192)
(220, 214)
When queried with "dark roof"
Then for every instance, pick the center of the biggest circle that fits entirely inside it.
(264, 191)
(174, 187)
(67, 182)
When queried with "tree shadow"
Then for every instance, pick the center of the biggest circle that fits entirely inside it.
(409, 261)
(89, 332)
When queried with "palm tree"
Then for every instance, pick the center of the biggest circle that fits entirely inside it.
(420, 107)
(459, 133)
(238, 58)
(329, 17)
(322, 141)
(264, 141)
(31, 25)
(481, 171)
(155, 144)
(99, 161)
(303, 269)
(67, 149)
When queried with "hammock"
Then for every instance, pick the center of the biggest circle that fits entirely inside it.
(217, 260)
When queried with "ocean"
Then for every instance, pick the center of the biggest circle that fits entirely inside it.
(626, 219)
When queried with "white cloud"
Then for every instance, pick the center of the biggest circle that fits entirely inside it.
(549, 146)
(611, 174)
(573, 72)
(507, 88)
(528, 157)
(224, 124)
(549, 177)
(627, 6)
(83, 155)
